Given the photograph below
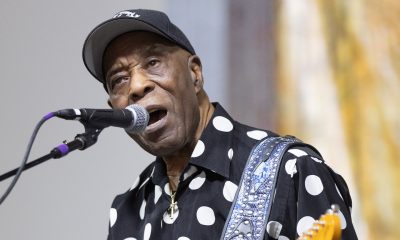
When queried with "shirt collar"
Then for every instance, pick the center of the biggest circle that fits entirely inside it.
(212, 149)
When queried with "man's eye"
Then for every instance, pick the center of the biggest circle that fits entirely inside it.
(119, 81)
(153, 62)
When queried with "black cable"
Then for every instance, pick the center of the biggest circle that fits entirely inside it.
(25, 159)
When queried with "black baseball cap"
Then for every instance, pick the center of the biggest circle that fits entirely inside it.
(123, 22)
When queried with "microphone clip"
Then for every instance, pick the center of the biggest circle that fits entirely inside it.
(89, 137)
(82, 141)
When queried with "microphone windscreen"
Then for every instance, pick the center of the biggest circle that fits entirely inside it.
(140, 119)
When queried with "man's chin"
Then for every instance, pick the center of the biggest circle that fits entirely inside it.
(159, 151)
(159, 147)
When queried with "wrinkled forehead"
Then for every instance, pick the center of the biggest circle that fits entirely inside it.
(140, 43)
(138, 46)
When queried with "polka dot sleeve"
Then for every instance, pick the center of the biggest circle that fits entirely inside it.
(311, 188)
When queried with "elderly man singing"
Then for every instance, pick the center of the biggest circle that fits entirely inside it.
(202, 184)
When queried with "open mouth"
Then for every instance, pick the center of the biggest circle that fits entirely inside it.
(156, 116)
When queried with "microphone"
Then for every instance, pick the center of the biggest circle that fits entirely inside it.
(133, 119)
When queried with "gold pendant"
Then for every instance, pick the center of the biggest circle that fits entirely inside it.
(172, 206)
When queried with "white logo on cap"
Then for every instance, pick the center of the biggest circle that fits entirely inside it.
(126, 14)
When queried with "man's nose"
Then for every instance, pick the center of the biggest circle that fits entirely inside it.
(140, 85)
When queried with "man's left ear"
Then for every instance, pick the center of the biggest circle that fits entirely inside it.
(196, 72)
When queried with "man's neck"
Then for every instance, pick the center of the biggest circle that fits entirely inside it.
(177, 162)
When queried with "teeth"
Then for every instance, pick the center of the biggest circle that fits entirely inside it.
(154, 110)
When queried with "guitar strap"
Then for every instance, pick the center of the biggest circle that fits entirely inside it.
(250, 209)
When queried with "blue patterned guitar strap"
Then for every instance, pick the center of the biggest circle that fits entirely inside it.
(250, 209)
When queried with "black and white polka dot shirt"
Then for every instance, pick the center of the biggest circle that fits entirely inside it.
(306, 188)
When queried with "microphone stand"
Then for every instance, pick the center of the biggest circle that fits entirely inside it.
(81, 142)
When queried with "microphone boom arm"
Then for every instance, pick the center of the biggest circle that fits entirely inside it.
(82, 141)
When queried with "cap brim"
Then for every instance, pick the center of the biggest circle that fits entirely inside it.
(97, 41)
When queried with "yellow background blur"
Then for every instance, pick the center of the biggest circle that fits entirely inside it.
(340, 61)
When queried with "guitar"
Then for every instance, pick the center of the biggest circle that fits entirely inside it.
(326, 228)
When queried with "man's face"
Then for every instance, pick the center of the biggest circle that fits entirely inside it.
(144, 68)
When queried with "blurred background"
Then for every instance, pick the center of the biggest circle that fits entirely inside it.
(325, 71)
